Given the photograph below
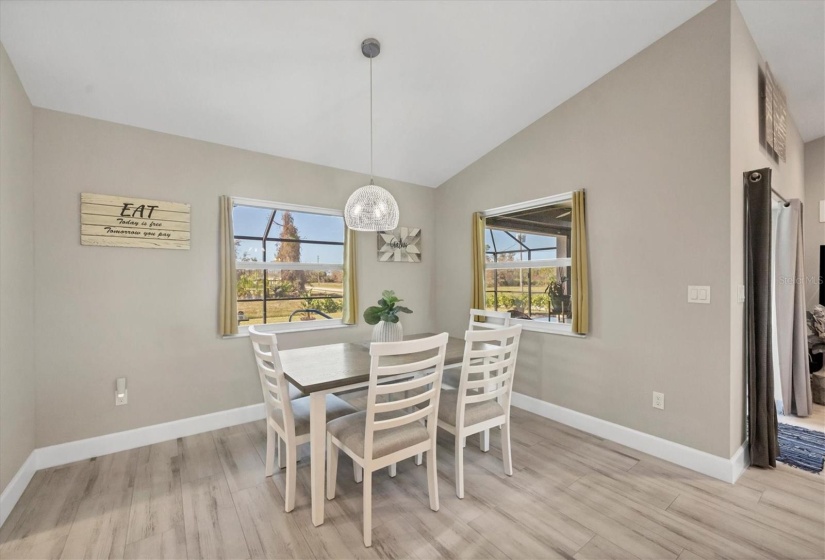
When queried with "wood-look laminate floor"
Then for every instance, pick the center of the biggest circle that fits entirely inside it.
(572, 496)
(816, 421)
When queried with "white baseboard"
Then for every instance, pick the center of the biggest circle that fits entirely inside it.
(727, 470)
(740, 461)
(17, 485)
(61, 454)
(72, 451)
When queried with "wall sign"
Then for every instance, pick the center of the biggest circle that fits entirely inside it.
(119, 221)
(400, 245)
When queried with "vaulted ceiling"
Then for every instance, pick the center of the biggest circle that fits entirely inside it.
(454, 79)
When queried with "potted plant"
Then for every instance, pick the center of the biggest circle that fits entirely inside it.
(559, 301)
(385, 318)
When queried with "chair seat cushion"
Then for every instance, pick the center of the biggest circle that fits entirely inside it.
(351, 430)
(473, 412)
(300, 410)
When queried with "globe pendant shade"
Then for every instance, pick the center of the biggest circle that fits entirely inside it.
(371, 208)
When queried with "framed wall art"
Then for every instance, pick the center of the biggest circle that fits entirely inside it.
(403, 244)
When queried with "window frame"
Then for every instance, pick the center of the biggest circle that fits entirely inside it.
(243, 330)
(565, 329)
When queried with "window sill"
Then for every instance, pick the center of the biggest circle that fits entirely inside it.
(565, 329)
(282, 328)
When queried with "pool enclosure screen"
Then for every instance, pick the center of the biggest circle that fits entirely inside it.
(527, 271)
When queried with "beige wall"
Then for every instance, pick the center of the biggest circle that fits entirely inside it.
(17, 388)
(650, 143)
(746, 154)
(656, 225)
(151, 315)
(813, 230)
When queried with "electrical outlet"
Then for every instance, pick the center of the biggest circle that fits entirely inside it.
(658, 400)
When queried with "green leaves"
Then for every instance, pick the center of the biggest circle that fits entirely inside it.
(372, 315)
(389, 317)
(386, 310)
(388, 296)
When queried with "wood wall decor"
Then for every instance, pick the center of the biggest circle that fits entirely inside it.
(773, 108)
(121, 221)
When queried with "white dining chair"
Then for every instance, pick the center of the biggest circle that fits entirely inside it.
(287, 419)
(482, 400)
(391, 431)
(492, 320)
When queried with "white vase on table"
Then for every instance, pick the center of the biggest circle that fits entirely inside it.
(387, 332)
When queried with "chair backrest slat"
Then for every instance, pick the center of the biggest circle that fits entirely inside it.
(390, 406)
(488, 368)
(486, 396)
(492, 319)
(479, 366)
(418, 414)
(273, 382)
(400, 369)
(427, 370)
(399, 386)
(477, 353)
(485, 383)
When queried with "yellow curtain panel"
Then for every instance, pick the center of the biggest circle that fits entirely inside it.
(479, 223)
(579, 275)
(228, 304)
(350, 314)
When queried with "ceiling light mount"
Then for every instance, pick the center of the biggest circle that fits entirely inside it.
(370, 47)
(371, 208)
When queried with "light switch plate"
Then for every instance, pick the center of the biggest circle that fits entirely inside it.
(698, 294)
(821, 211)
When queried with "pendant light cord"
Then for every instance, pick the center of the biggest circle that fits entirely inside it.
(372, 182)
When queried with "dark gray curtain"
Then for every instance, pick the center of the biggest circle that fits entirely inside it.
(758, 351)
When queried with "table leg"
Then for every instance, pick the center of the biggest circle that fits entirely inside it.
(317, 439)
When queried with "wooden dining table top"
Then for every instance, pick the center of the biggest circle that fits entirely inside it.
(327, 367)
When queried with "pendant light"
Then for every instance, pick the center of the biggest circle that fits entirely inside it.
(371, 208)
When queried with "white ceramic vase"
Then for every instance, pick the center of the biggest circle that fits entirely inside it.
(387, 332)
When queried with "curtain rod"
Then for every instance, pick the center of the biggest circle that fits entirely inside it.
(779, 196)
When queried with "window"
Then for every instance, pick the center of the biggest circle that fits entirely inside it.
(289, 264)
(527, 265)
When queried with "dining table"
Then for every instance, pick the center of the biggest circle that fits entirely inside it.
(333, 368)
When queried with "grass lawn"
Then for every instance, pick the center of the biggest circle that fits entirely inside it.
(276, 312)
